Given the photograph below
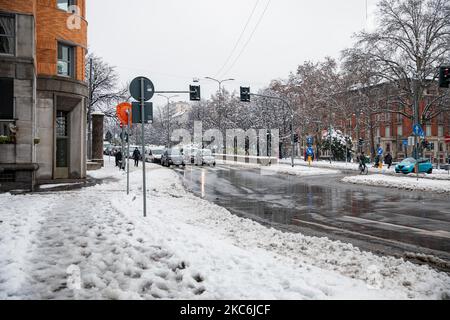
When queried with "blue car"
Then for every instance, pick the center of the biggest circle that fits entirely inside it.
(409, 166)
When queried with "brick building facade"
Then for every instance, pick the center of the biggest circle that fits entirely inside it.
(43, 92)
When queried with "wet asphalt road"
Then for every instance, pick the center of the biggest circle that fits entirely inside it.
(382, 220)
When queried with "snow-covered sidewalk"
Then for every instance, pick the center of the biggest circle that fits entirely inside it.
(405, 183)
(94, 243)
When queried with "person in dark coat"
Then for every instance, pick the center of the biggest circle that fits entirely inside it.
(136, 157)
(388, 160)
(119, 159)
(116, 157)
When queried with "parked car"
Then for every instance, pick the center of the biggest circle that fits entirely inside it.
(203, 157)
(172, 157)
(154, 155)
(409, 166)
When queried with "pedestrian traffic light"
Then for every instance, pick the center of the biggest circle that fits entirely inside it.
(426, 145)
(444, 76)
(245, 94)
(194, 93)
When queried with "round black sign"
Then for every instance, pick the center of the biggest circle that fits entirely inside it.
(136, 88)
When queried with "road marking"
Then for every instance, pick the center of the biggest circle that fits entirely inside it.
(437, 233)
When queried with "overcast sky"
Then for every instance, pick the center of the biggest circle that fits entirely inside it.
(173, 41)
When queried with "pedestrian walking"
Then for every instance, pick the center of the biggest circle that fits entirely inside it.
(388, 160)
(136, 157)
(116, 157)
(119, 158)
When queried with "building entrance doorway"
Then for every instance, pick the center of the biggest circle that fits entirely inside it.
(62, 145)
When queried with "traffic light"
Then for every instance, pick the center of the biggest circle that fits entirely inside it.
(361, 142)
(426, 145)
(444, 77)
(245, 94)
(194, 93)
(296, 138)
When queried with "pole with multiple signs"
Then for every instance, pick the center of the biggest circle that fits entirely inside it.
(142, 89)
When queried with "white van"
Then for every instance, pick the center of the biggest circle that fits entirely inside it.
(205, 156)
(154, 155)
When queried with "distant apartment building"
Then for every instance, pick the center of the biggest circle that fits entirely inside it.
(43, 92)
(391, 131)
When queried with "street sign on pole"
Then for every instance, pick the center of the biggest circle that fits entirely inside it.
(142, 89)
(418, 131)
(148, 112)
(122, 113)
(144, 93)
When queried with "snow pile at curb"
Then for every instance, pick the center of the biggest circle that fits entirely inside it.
(351, 166)
(284, 168)
(437, 186)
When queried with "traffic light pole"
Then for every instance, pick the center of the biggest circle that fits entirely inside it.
(128, 151)
(416, 121)
(292, 121)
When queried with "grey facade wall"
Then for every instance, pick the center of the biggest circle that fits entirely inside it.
(45, 130)
(21, 67)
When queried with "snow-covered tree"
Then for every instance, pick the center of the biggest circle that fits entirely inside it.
(339, 144)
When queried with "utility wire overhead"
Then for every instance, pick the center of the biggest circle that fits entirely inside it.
(239, 39)
(249, 39)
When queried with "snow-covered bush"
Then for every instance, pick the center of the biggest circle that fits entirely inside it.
(338, 144)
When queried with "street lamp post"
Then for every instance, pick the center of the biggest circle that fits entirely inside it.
(220, 92)
(168, 116)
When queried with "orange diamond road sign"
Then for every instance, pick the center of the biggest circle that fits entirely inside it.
(123, 111)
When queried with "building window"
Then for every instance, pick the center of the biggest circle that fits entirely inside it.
(440, 131)
(400, 131)
(388, 117)
(65, 4)
(388, 132)
(6, 98)
(65, 60)
(428, 129)
(7, 34)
